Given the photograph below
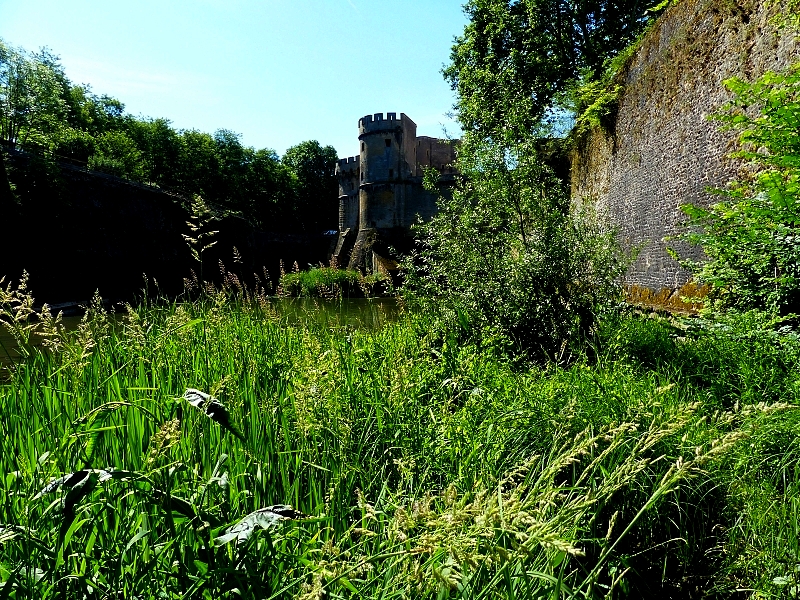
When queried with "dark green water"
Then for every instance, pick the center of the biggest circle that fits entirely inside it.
(358, 313)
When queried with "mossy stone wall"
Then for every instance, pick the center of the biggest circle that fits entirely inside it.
(662, 150)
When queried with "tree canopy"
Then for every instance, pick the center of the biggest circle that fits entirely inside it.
(509, 259)
(516, 56)
(42, 110)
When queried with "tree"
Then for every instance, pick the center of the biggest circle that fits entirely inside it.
(508, 258)
(41, 109)
(93, 114)
(516, 56)
(198, 163)
(31, 109)
(234, 161)
(160, 147)
(271, 191)
(314, 168)
(117, 154)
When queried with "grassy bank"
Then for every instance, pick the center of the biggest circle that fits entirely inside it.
(332, 283)
(423, 468)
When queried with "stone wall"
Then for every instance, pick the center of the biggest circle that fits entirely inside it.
(663, 151)
(390, 192)
(77, 231)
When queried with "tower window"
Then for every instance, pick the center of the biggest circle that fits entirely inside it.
(362, 146)
(362, 177)
(391, 173)
(388, 143)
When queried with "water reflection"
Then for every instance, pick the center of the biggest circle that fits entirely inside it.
(359, 313)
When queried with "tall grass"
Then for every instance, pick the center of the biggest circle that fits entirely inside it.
(416, 467)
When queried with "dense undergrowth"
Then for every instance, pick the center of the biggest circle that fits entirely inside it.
(331, 283)
(665, 467)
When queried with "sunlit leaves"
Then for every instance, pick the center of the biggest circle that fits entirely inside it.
(515, 57)
(507, 259)
(751, 237)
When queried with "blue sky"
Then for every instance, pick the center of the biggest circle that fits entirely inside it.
(276, 71)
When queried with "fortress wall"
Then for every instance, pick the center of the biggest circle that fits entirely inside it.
(663, 151)
(408, 150)
(76, 231)
(436, 153)
(423, 151)
(348, 212)
(348, 170)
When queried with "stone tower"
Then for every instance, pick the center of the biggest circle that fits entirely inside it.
(380, 191)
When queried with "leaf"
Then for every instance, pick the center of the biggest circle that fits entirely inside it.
(144, 532)
(81, 483)
(212, 408)
(76, 480)
(264, 518)
(175, 503)
(8, 585)
(659, 7)
(9, 532)
(347, 584)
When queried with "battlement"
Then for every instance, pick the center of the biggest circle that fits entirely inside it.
(377, 122)
(350, 161)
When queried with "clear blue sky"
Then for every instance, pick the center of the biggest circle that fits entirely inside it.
(276, 71)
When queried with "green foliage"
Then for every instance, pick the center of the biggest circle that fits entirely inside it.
(752, 236)
(516, 58)
(42, 111)
(788, 13)
(117, 154)
(31, 105)
(314, 169)
(507, 258)
(327, 282)
(596, 105)
(414, 468)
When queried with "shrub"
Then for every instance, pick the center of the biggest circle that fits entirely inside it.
(509, 259)
(751, 237)
(328, 282)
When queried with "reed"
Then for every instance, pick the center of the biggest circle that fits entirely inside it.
(311, 461)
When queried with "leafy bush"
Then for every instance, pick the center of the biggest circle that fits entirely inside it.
(509, 259)
(752, 236)
(117, 154)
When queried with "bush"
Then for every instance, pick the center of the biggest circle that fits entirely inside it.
(751, 237)
(327, 282)
(508, 259)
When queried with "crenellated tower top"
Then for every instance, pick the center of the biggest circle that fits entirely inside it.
(377, 122)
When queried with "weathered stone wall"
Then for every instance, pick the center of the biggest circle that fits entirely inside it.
(663, 151)
(391, 196)
(77, 231)
(436, 153)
